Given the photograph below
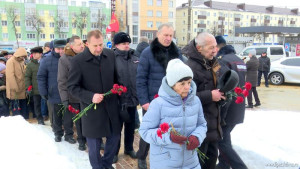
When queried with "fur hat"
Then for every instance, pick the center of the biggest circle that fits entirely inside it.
(220, 40)
(36, 50)
(177, 70)
(20, 52)
(252, 52)
(121, 37)
(59, 43)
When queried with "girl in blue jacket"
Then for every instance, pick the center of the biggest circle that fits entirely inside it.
(178, 105)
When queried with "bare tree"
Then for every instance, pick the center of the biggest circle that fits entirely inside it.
(35, 21)
(13, 16)
(59, 23)
(100, 21)
(214, 30)
(80, 20)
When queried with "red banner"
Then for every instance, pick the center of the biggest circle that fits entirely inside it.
(298, 50)
(114, 24)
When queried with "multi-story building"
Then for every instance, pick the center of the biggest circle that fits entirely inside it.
(121, 14)
(34, 22)
(236, 21)
(145, 16)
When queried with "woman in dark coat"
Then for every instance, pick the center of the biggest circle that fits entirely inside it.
(251, 76)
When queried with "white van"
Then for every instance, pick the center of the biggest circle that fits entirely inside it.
(274, 52)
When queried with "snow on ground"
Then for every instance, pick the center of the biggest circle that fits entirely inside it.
(266, 139)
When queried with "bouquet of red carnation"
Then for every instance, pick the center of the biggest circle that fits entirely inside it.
(240, 93)
(28, 91)
(73, 110)
(117, 89)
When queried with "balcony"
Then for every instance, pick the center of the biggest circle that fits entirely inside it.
(293, 22)
(253, 20)
(220, 26)
(237, 19)
(280, 22)
(221, 18)
(201, 25)
(201, 17)
(267, 22)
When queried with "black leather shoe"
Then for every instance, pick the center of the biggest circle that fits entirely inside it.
(132, 154)
(115, 160)
(142, 164)
(70, 140)
(41, 122)
(57, 139)
(82, 147)
(257, 104)
(249, 106)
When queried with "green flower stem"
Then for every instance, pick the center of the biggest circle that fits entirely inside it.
(83, 112)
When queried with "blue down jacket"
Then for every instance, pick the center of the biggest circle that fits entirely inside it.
(187, 118)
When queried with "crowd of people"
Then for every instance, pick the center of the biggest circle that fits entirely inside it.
(173, 86)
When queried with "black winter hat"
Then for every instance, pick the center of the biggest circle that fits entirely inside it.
(59, 43)
(220, 40)
(228, 81)
(36, 50)
(121, 37)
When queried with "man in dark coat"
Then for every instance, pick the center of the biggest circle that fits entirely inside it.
(74, 47)
(47, 83)
(231, 113)
(150, 72)
(31, 80)
(264, 68)
(126, 63)
(201, 53)
(144, 42)
(251, 76)
(91, 75)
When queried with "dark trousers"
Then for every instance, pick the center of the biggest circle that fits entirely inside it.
(228, 157)
(129, 131)
(137, 120)
(80, 138)
(4, 110)
(60, 119)
(111, 146)
(210, 149)
(37, 107)
(249, 97)
(30, 106)
(143, 147)
(50, 112)
(265, 76)
(19, 107)
(44, 107)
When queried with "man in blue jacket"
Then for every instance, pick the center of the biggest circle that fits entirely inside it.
(47, 84)
(150, 72)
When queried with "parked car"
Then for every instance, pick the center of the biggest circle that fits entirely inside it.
(285, 70)
(274, 52)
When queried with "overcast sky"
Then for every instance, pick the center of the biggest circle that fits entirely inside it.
(279, 3)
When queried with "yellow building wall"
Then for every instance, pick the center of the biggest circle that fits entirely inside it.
(121, 8)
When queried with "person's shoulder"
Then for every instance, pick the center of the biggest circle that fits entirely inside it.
(108, 52)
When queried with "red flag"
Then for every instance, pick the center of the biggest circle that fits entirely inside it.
(114, 24)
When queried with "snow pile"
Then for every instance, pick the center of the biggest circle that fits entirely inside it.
(27, 146)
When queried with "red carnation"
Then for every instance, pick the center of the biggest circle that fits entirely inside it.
(124, 89)
(239, 100)
(245, 93)
(70, 108)
(238, 90)
(156, 96)
(159, 134)
(77, 111)
(164, 127)
(29, 88)
(115, 86)
(248, 86)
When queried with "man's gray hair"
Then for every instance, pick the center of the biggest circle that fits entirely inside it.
(202, 37)
(168, 25)
(72, 39)
(144, 39)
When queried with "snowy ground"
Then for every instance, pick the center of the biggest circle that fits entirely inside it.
(267, 139)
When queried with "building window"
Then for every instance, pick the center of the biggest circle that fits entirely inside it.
(183, 38)
(150, 2)
(5, 35)
(42, 24)
(195, 29)
(62, 2)
(51, 13)
(195, 21)
(183, 13)
(195, 12)
(51, 24)
(73, 3)
(135, 40)
(63, 36)
(207, 22)
(94, 25)
(158, 2)
(149, 35)
(149, 24)
(19, 36)
(30, 35)
(149, 13)
(41, 12)
(135, 30)
(42, 36)
(4, 23)
(170, 14)
(28, 24)
(158, 24)
(73, 25)
(158, 13)
(207, 13)
(51, 36)
(183, 22)
(51, 2)
(215, 14)
(84, 36)
(171, 4)
(83, 4)
(17, 23)
(41, 1)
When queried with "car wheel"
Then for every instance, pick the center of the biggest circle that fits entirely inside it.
(276, 78)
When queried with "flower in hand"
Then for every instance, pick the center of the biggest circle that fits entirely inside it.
(193, 142)
(177, 138)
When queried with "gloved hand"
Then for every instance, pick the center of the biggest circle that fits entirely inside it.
(193, 143)
(45, 97)
(2, 87)
(66, 103)
(179, 139)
